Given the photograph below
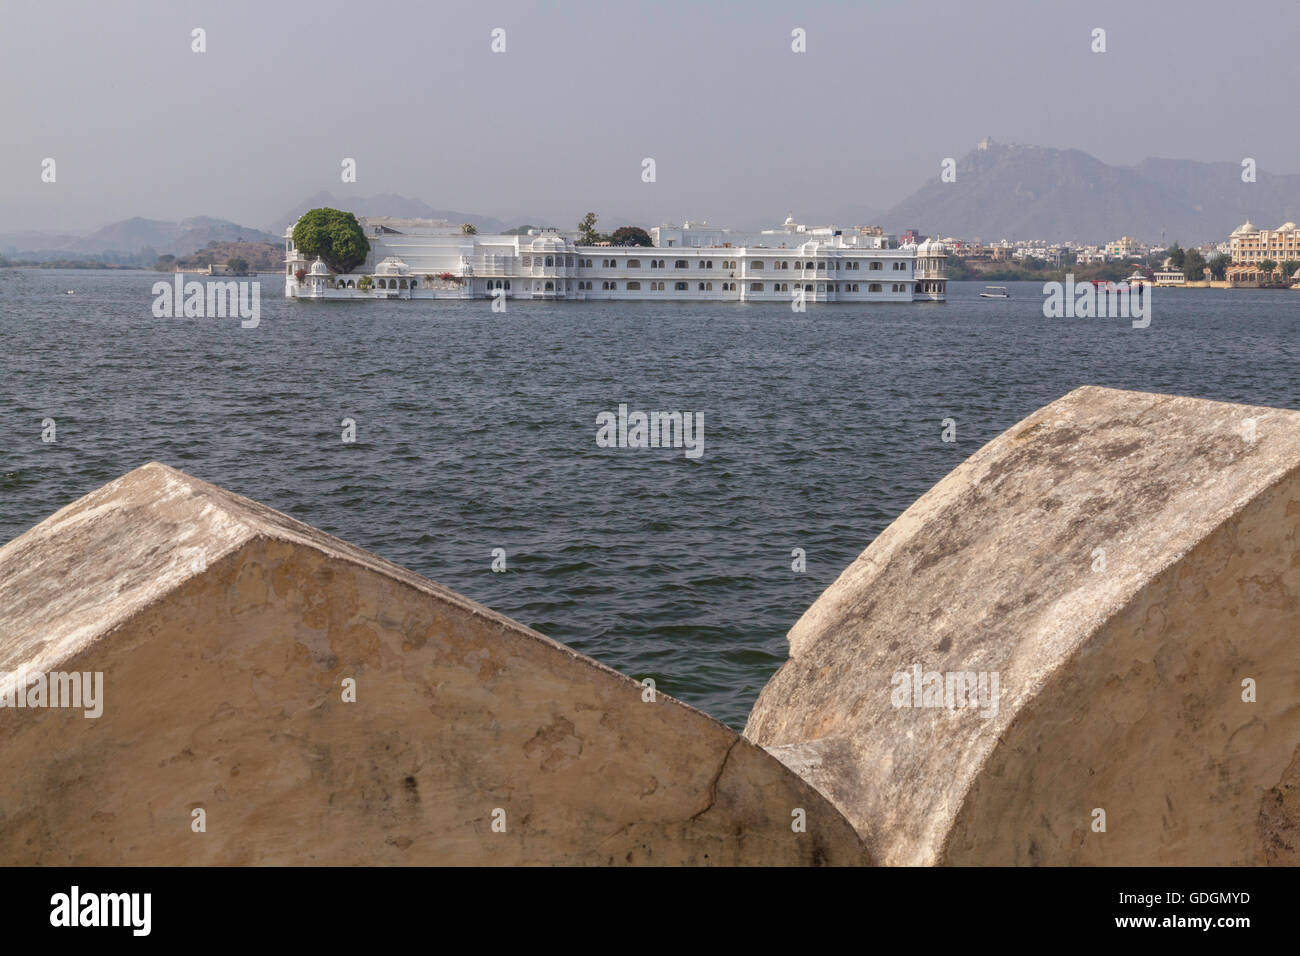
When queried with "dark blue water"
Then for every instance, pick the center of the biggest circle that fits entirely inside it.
(476, 430)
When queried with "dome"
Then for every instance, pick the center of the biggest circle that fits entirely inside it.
(931, 247)
(392, 266)
(1286, 227)
(1246, 226)
(318, 268)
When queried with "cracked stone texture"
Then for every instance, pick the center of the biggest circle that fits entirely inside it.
(1121, 689)
(224, 631)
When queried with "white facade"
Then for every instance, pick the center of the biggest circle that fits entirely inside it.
(423, 259)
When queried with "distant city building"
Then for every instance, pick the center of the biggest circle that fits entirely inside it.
(1251, 274)
(1122, 248)
(1251, 245)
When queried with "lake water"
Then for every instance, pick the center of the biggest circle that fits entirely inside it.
(476, 430)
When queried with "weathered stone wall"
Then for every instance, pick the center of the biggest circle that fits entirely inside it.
(1125, 565)
(1122, 562)
(224, 632)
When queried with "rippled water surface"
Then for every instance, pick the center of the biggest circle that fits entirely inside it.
(476, 430)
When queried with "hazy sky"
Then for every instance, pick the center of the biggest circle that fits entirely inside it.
(741, 128)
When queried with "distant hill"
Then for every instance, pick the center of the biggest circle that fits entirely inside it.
(261, 256)
(176, 238)
(385, 204)
(153, 236)
(1035, 192)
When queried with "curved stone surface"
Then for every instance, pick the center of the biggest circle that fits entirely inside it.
(1122, 562)
(224, 632)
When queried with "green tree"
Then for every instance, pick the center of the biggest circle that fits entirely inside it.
(587, 234)
(335, 236)
(1267, 266)
(365, 283)
(1219, 266)
(238, 265)
(469, 229)
(630, 236)
(1194, 265)
(1176, 255)
(1288, 270)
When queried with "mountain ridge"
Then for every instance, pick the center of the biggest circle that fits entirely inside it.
(1017, 191)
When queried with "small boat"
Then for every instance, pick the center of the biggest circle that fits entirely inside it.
(69, 292)
(995, 292)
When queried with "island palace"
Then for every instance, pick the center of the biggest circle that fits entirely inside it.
(430, 259)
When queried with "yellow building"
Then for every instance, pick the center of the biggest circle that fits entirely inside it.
(1251, 245)
(1122, 248)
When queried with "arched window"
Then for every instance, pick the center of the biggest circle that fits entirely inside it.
(550, 287)
(874, 287)
(550, 261)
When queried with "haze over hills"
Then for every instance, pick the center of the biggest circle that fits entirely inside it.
(1001, 192)
(1036, 192)
(134, 235)
(386, 204)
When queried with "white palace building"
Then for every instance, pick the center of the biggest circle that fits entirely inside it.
(429, 259)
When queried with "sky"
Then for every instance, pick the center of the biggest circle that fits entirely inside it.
(741, 128)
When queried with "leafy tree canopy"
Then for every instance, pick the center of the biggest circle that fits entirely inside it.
(335, 236)
(630, 236)
(587, 234)
(1219, 265)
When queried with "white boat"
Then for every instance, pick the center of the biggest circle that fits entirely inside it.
(995, 292)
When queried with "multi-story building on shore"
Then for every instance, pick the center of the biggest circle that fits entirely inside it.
(1251, 245)
(426, 259)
